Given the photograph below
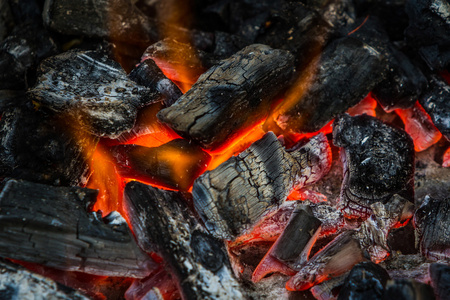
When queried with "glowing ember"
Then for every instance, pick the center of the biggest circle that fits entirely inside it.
(446, 159)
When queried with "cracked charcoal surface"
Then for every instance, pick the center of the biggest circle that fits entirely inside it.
(163, 223)
(50, 226)
(234, 196)
(338, 79)
(93, 89)
(378, 162)
(231, 96)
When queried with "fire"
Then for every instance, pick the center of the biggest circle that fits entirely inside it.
(446, 159)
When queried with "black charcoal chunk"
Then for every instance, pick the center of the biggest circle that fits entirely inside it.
(50, 226)
(432, 221)
(436, 102)
(148, 74)
(6, 20)
(43, 147)
(408, 289)
(233, 197)
(93, 89)
(440, 280)
(226, 44)
(378, 163)
(366, 281)
(231, 96)
(334, 81)
(164, 224)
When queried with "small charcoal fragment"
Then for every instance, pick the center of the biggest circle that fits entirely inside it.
(50, 226)
(233, 197)
(93, 89)
(440, 280)
(175, 164)
(378, 163)
(231, 96)
(408, 289)
(164, 224)
(365, 281)
(334, 81)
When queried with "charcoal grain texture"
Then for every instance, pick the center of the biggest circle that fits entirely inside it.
(233, 197)
(378, 162)
(50, 226)
(334, 81)
(93, 89)
(163, 223)
(231, 96)
(18, 283)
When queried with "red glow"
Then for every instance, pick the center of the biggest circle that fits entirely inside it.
(305, 194)
(270, 264)
(361, 25)
(446, 159)
(365, 106)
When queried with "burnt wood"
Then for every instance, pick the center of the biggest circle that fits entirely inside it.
(440, 279)
(164, 224)
(405, 289)
(231, 96)
(50, 226)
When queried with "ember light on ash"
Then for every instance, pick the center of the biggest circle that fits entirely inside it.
(225, 149)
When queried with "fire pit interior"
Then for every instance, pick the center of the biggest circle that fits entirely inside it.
(222, 149)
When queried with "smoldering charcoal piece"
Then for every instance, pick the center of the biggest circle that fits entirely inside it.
(50, 226)
(231, 96)
(378, 163)
(233, 197)
(440, 279)
(148, 74)
(436, 102)
(19, 283)
(365, 281)
(93, 89)
(406, 289)
(432, 221)
(44, 148)
(164, 224)
(175, 164)
(337, 79)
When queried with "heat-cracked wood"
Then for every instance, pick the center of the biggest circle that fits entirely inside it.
(231, 96)
(234, 196)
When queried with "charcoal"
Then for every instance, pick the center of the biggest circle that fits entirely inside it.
(378, 163)
(43, 147)
(149, 75)
(365, 281)
(436, 103)
(175, 164)
(11, 98)
(19, 283)
(6, 20)
(93, 89)
(231, 96)
(26, 11)
(164, 224)
(408, 289)
(328, 289)
(436, 57)
(50, 226)
(432, 220)
(233, 197)
(21, 52)
(440, 280)
(338, 79)
(227, 44)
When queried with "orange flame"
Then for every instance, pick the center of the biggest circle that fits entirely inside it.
(446, 159)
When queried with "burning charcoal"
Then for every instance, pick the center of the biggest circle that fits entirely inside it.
(333, 82)
(164, 224)
(432, 220)
(329, 289)
(446, 159)
(231, 96)
(233, 197)
(19, 283)
(440, 280)
(293, 246)
(436, 103)
(93, 89)
(50, 226)
(365, 281)
(175, 164)
(408, 289)
(43, 148)
(378, 162)
(149, 75)
(419, 126)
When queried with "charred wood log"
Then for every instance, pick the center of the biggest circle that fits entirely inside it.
(93, 89)
(231, 96)
(164, 224)
(440, 280)
(408, 289)
(175, 164)
(50, 226)
(334, 81)
(378, 163)
(233, 197)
